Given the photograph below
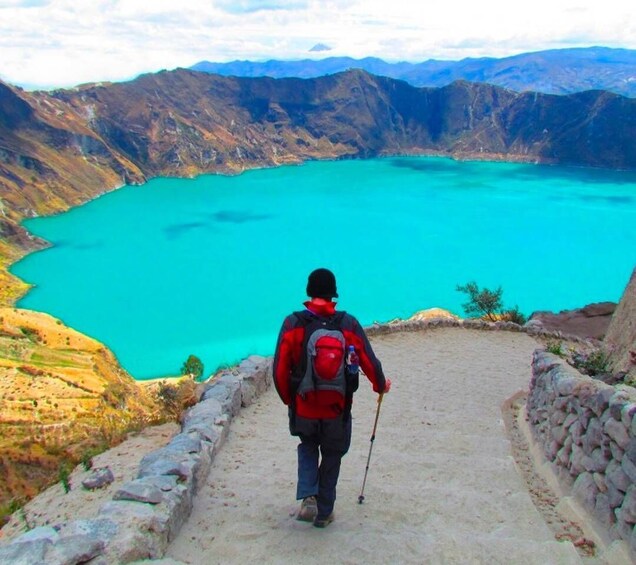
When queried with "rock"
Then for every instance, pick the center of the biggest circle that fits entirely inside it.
(185, 443)
(629, 505)
(147, 513)
(227, 391)
(627, 415)
(254, 364)
(99, 478)
(603, 510)
(206, 430)
(601, 483)
(614, 495)
(552, 449)
(255, 382)
(47, 533)
(617, 432)
(593, 436)
(557, 418)
(565, 384)
(164, 467)
(621, 529)
(585, 490)
(25, 553)
(206, 411)
(599, 401)
(617, 452)
(70, 550)
(140, 490)
(622, 515)
(143, 531)
(630, 450)
(629, 468)
(576, 432)
(559, 434)
(542, 361)
(97, 528)
(616, 407)
(569, 420)
(620, 339)
(597, 462)
(577, 465)
(617, 476)
(563, 455)
(591, 321)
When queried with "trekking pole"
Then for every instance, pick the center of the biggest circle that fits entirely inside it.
(375, 425)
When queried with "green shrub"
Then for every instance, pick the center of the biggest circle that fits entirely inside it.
(594, 363)
(555, 346)
(30, 333)
(483, 303)
(193, 367)
(14, 505)
(87, 457)
(514, 315)
(64, 474)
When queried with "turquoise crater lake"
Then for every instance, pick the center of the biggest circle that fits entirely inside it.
(211, 265)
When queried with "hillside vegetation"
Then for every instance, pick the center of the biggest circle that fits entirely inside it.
(63, 396)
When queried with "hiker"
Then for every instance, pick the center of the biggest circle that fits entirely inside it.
(316, 374)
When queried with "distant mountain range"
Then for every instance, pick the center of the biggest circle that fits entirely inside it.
(558, 71)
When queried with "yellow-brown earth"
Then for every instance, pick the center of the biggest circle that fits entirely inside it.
(63, 396)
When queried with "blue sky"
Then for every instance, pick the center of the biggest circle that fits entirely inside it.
(47, 43)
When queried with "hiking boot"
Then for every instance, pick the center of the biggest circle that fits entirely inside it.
(308, 509)
(323, 522)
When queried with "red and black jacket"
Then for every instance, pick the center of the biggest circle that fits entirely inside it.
(320, 404)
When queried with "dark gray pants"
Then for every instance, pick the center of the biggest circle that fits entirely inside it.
(322, 446)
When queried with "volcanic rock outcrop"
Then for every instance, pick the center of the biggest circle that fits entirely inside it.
(590, 321)
(620, 339)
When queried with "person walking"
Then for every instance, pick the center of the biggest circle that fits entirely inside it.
(318, 353)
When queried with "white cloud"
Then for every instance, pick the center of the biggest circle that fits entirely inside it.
(65, 42)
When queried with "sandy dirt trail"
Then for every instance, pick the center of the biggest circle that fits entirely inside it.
(442, 485)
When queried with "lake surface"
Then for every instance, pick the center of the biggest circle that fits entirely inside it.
(210, 266)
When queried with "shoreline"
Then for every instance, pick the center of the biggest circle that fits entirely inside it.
(408, 154)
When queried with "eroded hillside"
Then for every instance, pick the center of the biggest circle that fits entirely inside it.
(62, 396)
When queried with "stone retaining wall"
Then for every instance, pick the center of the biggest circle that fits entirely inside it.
(147, 513)
(532, 328)
(587, 429)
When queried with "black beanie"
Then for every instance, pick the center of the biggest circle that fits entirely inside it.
(322, 284)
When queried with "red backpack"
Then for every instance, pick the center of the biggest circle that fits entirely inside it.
(322, 363)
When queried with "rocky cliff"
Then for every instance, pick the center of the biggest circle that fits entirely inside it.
(620, 339)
